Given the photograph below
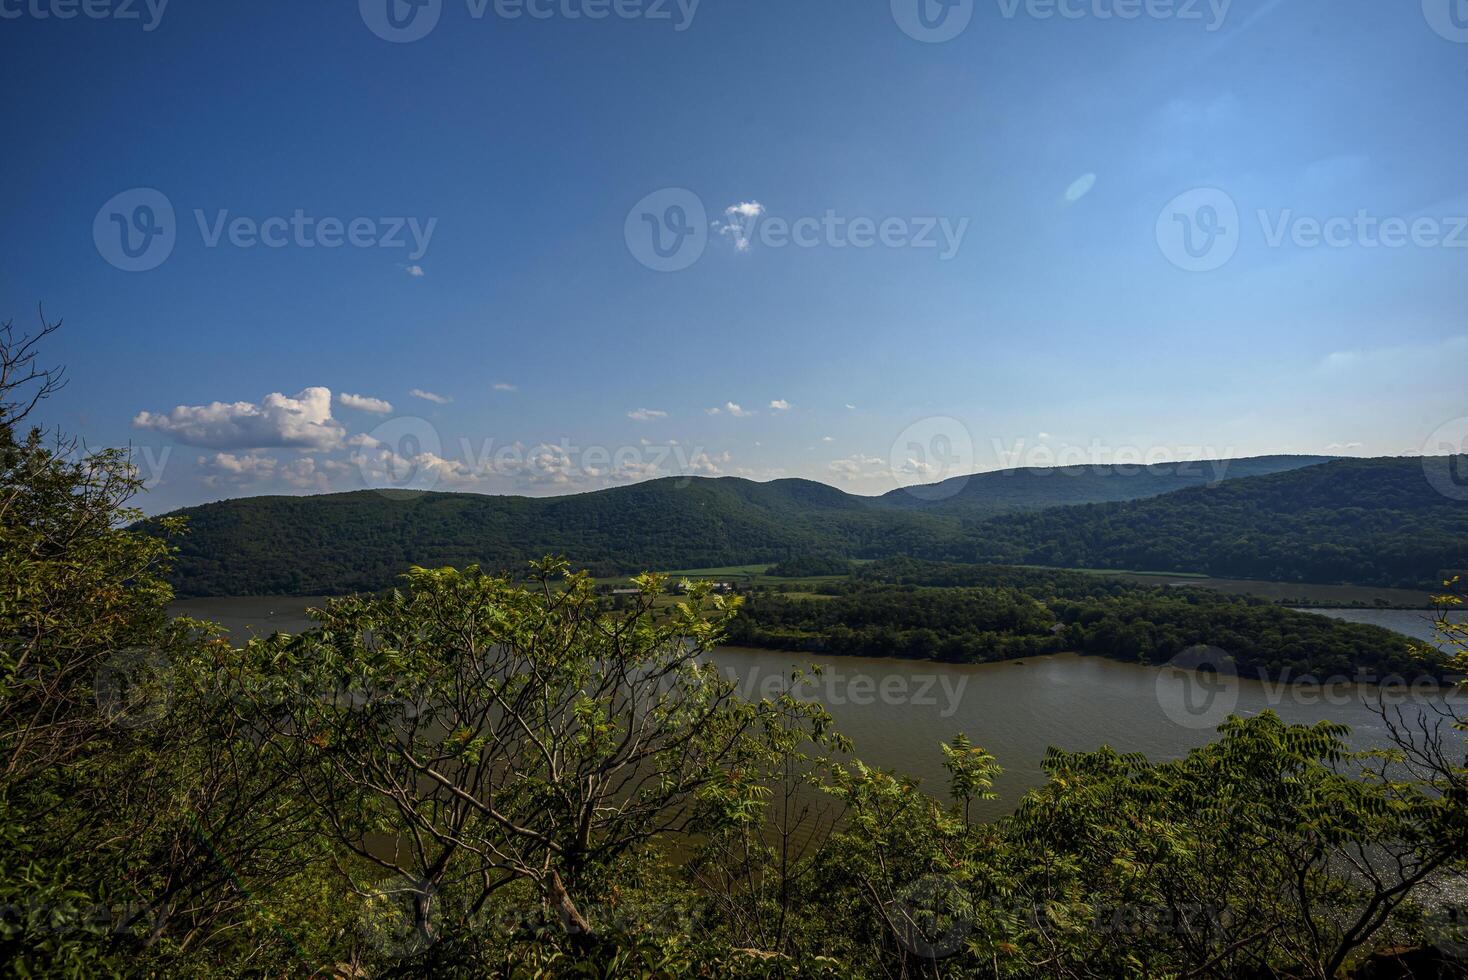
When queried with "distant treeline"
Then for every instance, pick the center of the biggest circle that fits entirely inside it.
(976, 614)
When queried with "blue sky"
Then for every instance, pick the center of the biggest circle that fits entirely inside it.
(1058, 276)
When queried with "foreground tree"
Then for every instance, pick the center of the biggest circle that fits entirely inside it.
(472, 739)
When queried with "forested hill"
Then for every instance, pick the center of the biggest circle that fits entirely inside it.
(1371, 522)
(1035, 488)
(365, 540)
(1366, 521)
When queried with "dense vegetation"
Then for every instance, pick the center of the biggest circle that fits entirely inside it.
(809, 566)
(1036, 488)
(345, 542)
(470, 777)
(981, 613)
(1367, 522)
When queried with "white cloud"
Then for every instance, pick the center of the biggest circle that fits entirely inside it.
(780, 405)
(738, 225)
(703, 464)
(1044, 435)
(237, 466)
(429, 396)
(365, 403)
(646, 414)
(300, 422)
(827, 439)
(505, 386)
(416, 271)
(850, 407)
(859, 467)
(733, 408)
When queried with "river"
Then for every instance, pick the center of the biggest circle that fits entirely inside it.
(897, 712)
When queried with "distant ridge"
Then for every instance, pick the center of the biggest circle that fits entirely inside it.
(1370, 522)
(1035, 488)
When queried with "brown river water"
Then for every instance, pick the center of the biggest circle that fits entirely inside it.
(897, 712)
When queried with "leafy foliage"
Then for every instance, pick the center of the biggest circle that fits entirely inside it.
(1369, 522)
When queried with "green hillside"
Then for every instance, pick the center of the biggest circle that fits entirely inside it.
(354, 541)
(1036, 488)
(1361, 521)
(1367, 522)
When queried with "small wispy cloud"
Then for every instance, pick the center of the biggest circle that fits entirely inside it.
(1079, 188)
(827, 439)
(780, 405)
(738, 224)
(505, 386)
(430, 396)
(364, 403)
(416, 271)
(730, 408)
(646, 414)
(850, 407)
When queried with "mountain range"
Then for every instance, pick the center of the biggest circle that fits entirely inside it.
(1283, 518)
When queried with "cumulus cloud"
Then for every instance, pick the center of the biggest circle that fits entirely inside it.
(646, 414)
(416, 271)
(301, 421)
(365, 403)
(827, 439)
(702, 464)
(780, 405)
(738, 223)
(732, 408)
(303, 473)
(850, 407)
(859, 467)
(430, 396)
